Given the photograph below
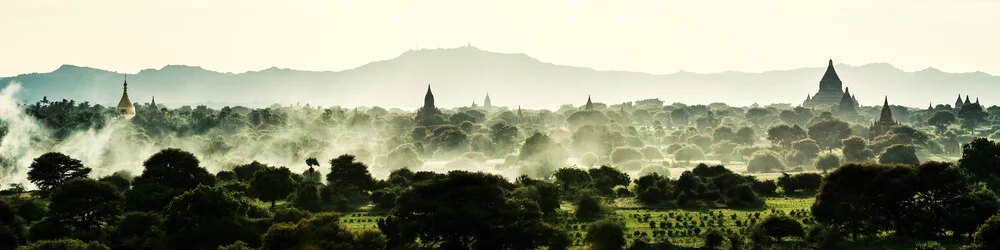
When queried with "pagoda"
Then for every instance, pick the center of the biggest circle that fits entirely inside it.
(884, 123)
(831, 90)
(428, 109)
(125, 107)
(487, 104)
(589, 105)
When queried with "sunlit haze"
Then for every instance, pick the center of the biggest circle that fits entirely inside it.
(647, 36)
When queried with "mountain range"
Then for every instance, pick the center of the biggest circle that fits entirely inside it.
(461, 76)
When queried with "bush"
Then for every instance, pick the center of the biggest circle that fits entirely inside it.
(900, 154)
(929, 245)
(765, 161)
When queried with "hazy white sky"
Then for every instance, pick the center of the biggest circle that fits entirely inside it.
(649, 36)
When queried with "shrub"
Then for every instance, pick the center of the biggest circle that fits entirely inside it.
(652, 153)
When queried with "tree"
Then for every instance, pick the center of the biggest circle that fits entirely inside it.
(503, 134)
(783, 135)
(541, 148)
(322, 231)
(827, 162)
(606, 235)
(246, 172)
(605, 178)
(271, 184)
(830, 133)
(571, 180)
(856, 150)
(137, 230)
(689, 153)
(466, 210)
(972, 115)
(988, 235)
(765, 161)
(307, 197)
(403, 157)
(221, 220)
(759, 116)
(900, 154)
(12, 232)
(346, 171)
(53, 168)
(168, 173)
(85, 204)
(940, 120)
(981, 158)
(679, 117)
(746, 136)
(624, 154)
(723, 133)
(589, 209)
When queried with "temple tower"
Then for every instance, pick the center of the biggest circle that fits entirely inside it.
(589, 105)
(125, 107)
(884, 123)
(487, 104)
(831, 89)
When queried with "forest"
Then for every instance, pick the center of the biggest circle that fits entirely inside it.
(646, 174)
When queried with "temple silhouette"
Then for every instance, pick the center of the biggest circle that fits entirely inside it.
(831, 90)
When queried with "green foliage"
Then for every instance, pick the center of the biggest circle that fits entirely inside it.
(806, 182)
(779, 227)
(466, 210)
(137, 230)
(606, 235)
(856, 150)
(64, 244)
(403, 157)
(541, 148)
(765, 161)
(623, 154)
(85, 204)
(919, 202)
(272, 184)
(167, 174)
(980, 159)
(605, 178)
(322, 231)
(827, 162)
(899, 154)
(689, 153)
(746, 136)
(53, 168)
(347, 172)
(988, 235)
(12, 226)
(829, 134)
(783, 135)
(222, 219)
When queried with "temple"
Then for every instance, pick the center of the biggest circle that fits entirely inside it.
(589, 105)
(125, 107)
(831, 90)
(884, 123)
(153, 109)
(487, 104)
(958, 103)
(428, 109)
(848, 106)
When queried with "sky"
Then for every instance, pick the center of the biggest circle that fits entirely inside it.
(647, 36)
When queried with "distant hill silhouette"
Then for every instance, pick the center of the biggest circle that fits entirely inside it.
(462, 75)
